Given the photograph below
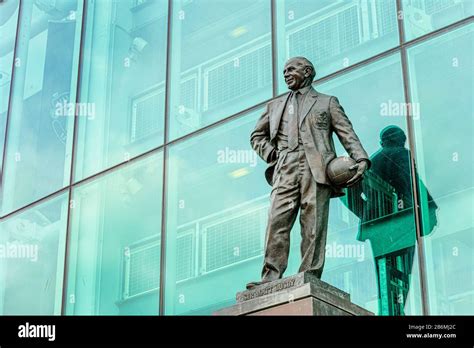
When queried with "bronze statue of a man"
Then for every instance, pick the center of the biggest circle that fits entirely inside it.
(294, 136)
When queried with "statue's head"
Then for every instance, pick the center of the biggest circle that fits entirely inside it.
(298, 73)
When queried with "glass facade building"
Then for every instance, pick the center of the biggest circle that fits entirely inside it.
(128, 184)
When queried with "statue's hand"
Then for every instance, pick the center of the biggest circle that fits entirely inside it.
(361, 168)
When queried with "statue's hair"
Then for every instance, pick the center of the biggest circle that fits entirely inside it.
(307, 63)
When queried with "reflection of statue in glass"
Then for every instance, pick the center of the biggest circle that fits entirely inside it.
(384, 204)
(294, 136)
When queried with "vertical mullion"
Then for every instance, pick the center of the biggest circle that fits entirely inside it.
(7, 116)
(73, 153)
(274, 48)
(412, 147)
(161, 301)
(17, 87)
(12, 78)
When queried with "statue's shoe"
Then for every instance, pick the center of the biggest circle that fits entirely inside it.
(253, 285)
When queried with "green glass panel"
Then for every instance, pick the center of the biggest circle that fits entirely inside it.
(424, 16)
(442, 87)
(217, 202)
(32, 247)
(114, 245)
(221, 60)
(333, 34)
(371, 247)
(122, 84)
(39, 144)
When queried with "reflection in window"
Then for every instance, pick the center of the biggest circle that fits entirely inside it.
(114, 258)
(424, 16)
(379, 225)
(221, 60)
(32, 246)
(39, 142)
(442, 86)
(123, 83)
(334, 34)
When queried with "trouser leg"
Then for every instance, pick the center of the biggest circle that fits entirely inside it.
(314, 220)
(282, 215)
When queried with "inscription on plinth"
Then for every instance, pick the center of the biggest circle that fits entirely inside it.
(265, 290)
(301, 294)
(294, 281)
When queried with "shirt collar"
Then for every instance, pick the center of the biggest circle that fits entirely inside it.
(304, 90)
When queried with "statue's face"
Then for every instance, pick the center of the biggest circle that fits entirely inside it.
(296, 74)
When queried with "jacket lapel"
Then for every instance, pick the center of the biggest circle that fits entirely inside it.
(309, 101)
(275, 118)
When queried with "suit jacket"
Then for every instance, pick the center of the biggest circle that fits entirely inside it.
(320, 116)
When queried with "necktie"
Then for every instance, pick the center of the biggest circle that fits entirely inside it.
(293, 122)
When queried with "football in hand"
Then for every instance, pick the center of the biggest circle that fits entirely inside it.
(338, 171)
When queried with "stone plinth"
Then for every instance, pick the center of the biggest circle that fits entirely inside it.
(301, 294)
